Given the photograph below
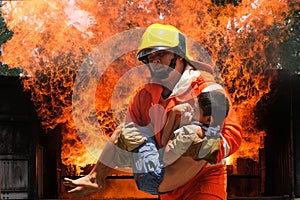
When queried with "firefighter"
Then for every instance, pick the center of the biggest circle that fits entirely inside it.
(175, 78)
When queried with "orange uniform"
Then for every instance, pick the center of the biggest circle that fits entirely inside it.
(147, 108)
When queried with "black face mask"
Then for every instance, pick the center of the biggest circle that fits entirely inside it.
(164, 74)
(161, 74)
(171, 80)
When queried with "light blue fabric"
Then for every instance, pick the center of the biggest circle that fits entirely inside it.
(147, 166)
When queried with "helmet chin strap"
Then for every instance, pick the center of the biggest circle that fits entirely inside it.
(173, 63)
(173, 76)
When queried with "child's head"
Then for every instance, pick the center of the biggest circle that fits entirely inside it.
(213, 107)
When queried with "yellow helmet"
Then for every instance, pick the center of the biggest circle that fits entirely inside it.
(162, 37)
(166, 37)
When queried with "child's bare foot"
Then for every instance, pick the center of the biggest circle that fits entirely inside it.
(83, 186)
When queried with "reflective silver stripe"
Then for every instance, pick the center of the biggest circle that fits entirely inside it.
(213, 87)
(226, 147)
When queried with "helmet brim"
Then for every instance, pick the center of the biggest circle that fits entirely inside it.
(143, 54)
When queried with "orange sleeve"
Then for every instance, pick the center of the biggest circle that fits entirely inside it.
(231, 136)
(138, 108)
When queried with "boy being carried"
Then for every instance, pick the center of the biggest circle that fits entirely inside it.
(188, 132)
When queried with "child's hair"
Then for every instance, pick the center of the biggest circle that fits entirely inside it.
(215, 104)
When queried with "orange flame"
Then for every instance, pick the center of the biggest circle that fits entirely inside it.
(53, 38)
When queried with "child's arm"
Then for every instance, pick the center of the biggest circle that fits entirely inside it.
(169, 128)
(172, 124)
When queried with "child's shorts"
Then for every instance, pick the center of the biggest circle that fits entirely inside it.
(147, 166)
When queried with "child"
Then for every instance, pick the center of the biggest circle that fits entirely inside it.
(197, 137)
(189, 140)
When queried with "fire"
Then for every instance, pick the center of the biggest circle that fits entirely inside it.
(54, 38)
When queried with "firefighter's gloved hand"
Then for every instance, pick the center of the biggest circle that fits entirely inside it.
(131, 137)
(209, 149)
(188, 143)
(184, 137)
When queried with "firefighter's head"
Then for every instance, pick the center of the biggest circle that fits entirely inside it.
(164, 45)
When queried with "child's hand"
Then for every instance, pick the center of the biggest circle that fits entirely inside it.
(182, 108)
(186, 112)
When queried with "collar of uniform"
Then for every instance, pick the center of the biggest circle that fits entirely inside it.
(184, 83)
